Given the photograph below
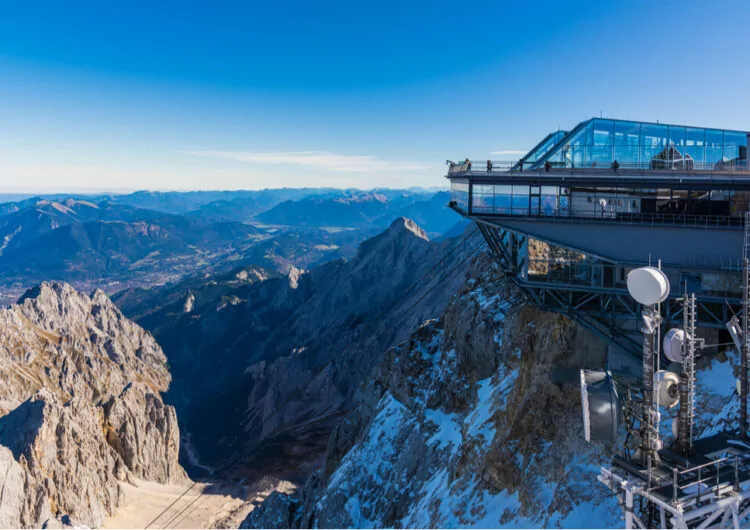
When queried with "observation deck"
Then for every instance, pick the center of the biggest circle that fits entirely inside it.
(571, 218)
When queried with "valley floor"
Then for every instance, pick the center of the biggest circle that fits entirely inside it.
(205, 505)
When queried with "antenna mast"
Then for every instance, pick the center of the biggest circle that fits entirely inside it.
(687, 377)
(745, 309)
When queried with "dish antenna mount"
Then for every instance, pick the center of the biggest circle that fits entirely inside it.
(649, 286)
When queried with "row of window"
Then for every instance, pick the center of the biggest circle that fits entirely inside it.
(598, 202)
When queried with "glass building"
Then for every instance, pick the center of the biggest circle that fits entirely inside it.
(650, 146)
(666, 174)
(540, 150)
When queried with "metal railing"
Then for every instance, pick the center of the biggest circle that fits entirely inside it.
(491, 167)
(705, 483)
(614, 216)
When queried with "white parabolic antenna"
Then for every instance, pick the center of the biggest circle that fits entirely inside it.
(648, 285)
(674, 342)
(666, 386)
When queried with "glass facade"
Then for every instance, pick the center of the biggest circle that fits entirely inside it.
(651, 146)
(460, 193)
(610, 203)
(541, 149)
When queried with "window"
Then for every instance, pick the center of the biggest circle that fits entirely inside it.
(714, 146)
(677, 137)
(733, 144)
(695, 146)
(653, 141)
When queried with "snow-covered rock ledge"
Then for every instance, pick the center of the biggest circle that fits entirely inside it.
(474, 421)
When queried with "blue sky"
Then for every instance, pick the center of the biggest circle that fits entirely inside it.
(206, 95)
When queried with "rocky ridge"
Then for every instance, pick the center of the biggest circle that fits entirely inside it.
(286, 354)
(80, 410)
(474, 421)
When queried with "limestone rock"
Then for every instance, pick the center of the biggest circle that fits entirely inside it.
(189, 303)
(292, 357)
(12, 493)
(82, 408)
(470, 422)
(144, 433)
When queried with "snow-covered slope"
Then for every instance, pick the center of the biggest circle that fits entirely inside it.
(475, 421)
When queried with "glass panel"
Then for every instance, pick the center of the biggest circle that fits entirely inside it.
(543, 149)
(626, 156)
(520, 205)
(503, 203)
(695, 141)
(627, 133)
(481, 203)
(653, 141)
(714, 146)
(520, 200)
(603, 132)
(598, 142)
(677, 137)
(733, 142)
(549, 204)
(564, 205)
(460, 193)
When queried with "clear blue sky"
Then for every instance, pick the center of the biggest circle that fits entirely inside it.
(220, 94)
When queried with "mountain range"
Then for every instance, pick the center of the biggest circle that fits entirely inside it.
(409, 385)
(150, 238)
(258, 355)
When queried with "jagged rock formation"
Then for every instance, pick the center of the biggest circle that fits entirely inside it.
(283, 357)
(80, 408)
(189, 303)
(474, 421)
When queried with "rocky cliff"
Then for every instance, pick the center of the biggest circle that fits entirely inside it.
(80, 408)
(474, 421)
(280, 359)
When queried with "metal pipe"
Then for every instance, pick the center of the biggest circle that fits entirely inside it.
(684, 386)
(647, 435)
(744, 353)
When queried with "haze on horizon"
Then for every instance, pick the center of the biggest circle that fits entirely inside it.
(249, 95)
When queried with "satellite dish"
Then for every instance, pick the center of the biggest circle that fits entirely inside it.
(674, 345)
(667, 387)
(602, 413)
(648, 285)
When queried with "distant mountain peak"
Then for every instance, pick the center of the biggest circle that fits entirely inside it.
(294, 276)
(402, 234)
(403, 224)
(49, 291)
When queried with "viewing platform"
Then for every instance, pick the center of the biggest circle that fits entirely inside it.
(569, 219)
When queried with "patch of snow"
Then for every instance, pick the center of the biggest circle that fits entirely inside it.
(448, 434)
(8, 238)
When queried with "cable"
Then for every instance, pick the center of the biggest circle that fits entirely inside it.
(170, 506)
(174, 518)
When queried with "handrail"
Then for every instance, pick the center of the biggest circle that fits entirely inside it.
(676, 473)
(491, 167)
(613, 216)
